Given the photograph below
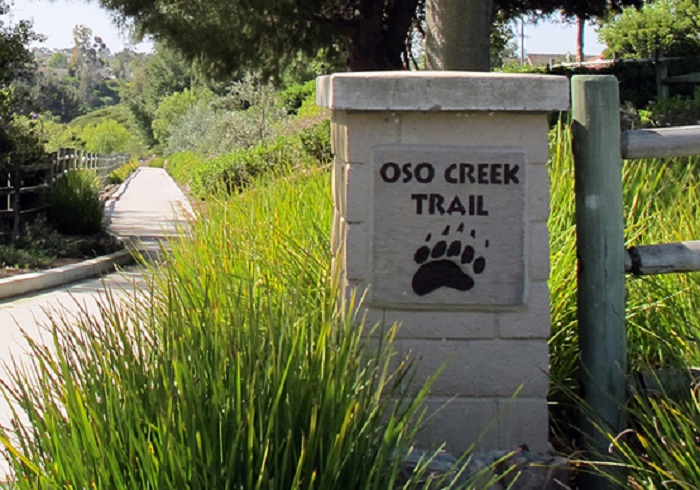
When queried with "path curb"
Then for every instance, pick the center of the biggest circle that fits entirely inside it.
(19, 285)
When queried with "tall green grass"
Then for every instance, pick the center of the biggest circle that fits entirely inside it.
(661, 205)
(73, 204)
(236, 370)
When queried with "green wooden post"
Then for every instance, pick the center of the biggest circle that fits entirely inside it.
(600, 250)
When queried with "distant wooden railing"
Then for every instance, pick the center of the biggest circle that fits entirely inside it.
(22, 184)
(599, 148)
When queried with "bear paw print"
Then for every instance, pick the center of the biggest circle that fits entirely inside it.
(452, 266)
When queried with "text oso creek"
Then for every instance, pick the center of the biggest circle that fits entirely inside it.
(434, 203)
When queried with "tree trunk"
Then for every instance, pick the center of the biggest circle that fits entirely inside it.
(458, 34)
(378, 36)
(580, 26)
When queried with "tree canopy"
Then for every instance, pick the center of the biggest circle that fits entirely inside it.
(671, 27)
(16, 64)
(267, 35)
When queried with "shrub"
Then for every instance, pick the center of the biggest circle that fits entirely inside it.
(182, 166)
(293, 97)
(122, 173)
(316, 141)
(106, 137)
(247, 116)
(173, 107)
(157, 162)
(74, 205)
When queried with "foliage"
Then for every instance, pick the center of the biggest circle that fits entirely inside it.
(58, 96)
(245, 117)
(518, 68)
(38, 245)
(674, 111)
(661, 450)
(662, 327)
(274, 35)
(230, 173)
(502, 43)
(230, 37)
(172, 108)
(155, 77)
(58, 61)
(73, 203)
(122, 173)
(106, 137)
(182, 166)
(241, 371)
(668, 27)
(15, 66)
(88, 65)
(85, 126)
(157, 162)
(293, 96)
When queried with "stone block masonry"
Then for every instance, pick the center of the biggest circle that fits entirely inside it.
(441, 202)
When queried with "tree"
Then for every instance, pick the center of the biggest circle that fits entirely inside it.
(106, 137)
(230, 35)
(458, 34)
(458, 30)
(152, 79)
(671, 27)
(236, 35)
(87, 59)
(173, 107)
(16, 64)
(58, 96)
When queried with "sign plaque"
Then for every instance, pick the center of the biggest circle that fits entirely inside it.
(448, 226)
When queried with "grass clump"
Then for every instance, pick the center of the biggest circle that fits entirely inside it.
(660, 200)
(661, 204)
(73, 203)
(236, 371)
(661, 449)
(120, 174)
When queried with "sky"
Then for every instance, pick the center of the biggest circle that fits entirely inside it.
(56, 19)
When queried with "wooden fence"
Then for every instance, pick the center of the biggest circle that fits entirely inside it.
(599, 148)
(24, 179)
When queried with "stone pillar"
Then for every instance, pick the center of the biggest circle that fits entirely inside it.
(441, 201)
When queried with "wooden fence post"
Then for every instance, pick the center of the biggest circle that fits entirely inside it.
(600, 250)
(16, 197)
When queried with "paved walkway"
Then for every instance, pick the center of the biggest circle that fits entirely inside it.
(147, 208)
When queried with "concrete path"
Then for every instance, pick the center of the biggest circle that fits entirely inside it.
(146, 209)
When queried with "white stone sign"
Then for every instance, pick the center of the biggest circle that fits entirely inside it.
(448, 226)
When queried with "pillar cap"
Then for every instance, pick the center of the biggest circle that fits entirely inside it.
(442, 91)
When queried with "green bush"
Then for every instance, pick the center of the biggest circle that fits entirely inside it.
(182, 166)
(73, 203)
(157, 162)
(230, 173)
(293, 97)
(106, 137)
(122, 173)
(316, 141)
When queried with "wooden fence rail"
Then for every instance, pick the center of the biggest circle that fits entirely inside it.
(599, 147)
(680, 141)
(22, 184)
